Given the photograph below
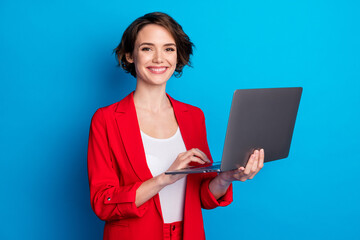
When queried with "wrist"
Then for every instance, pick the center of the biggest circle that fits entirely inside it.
(218, 186)
(162, 180)
(223, 182)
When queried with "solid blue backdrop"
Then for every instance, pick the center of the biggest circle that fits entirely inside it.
(57, 68)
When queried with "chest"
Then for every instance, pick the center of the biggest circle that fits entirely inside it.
(160, 124)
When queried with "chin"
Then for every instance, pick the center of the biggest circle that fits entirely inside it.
(158, 80)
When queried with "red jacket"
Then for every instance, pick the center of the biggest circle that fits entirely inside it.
(117, 167)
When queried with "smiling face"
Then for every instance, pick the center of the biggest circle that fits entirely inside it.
(154, 55)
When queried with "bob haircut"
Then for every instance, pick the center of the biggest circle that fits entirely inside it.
(184, 46)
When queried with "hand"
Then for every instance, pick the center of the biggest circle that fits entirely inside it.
(183, 160)
(254, 165)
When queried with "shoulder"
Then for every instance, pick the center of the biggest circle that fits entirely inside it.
(102, 112)
(109, 110)
(187, 107)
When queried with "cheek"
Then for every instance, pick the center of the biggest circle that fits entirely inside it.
(142, 58)
(174, 59)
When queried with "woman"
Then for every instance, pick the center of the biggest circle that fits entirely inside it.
(134, 141)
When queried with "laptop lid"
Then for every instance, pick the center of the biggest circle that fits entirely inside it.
(260, 118)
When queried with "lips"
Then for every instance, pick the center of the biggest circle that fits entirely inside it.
(157, 70)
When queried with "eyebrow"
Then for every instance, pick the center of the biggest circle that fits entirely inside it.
(151, 44)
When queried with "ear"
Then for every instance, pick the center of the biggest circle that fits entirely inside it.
(129, 57)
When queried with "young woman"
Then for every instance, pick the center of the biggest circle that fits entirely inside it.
(134, 141)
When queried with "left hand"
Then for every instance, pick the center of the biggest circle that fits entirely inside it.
(254, 165)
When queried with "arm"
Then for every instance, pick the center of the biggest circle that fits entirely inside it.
(109, 200)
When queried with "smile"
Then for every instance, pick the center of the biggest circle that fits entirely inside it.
(157, 70)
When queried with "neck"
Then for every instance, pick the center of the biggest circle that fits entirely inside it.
(151, 98)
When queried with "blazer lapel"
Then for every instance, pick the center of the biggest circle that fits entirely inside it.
(186, 126)
(183, 119)
(128, 126)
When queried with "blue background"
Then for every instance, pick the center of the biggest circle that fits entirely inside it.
(57, 68)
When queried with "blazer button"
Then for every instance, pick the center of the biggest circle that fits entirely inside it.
(109, 199)
(173, 228)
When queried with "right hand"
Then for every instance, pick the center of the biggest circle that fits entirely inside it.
(183, 160)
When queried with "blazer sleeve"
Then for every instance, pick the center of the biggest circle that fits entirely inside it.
(109, 200)
(208, 201)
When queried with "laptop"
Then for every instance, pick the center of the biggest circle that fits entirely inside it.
(259, 118)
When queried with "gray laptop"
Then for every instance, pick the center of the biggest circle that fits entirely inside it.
(259, 118)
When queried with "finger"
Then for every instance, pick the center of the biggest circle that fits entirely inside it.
(262, 158)
(253, 173)
(256, 162)
(256, 168)
(185, 162)
(260, 164)
(197, 153)
(195, 159)
(249, 164)
(186, 154)
(201, 154)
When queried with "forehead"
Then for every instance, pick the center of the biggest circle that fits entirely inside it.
(153, 33)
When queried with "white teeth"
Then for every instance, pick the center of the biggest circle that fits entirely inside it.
(157, 69)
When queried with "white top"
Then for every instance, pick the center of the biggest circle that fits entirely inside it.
(160, 154)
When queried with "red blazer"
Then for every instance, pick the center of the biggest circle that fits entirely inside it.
(117, 167)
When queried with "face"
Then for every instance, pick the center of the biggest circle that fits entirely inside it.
(154, 55)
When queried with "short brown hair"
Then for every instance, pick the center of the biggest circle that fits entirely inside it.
(183, 44)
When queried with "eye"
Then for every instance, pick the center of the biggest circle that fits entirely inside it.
(145, 49)
(170, 49)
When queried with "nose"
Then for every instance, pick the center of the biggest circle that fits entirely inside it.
(158, 58)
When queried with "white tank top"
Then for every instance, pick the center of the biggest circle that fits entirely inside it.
(160, 154)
